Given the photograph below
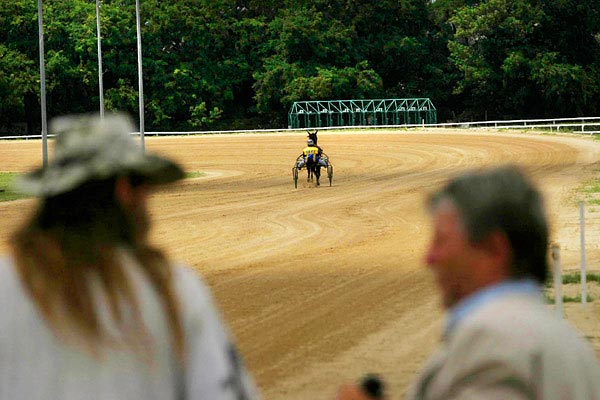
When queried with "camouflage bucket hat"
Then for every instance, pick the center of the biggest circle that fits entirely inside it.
(90, 148)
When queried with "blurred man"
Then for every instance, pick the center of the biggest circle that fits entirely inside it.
(90, 310)
(488, 254)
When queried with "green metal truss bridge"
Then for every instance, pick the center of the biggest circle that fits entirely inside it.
(312, 114)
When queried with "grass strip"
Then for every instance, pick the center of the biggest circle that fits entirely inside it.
(194, 174)
(569, 299)
(6, 192)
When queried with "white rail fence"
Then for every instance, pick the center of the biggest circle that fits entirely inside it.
(587, 125)
(583, 125)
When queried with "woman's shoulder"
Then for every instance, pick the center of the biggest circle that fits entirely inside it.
(7, 272)
(190, 287)
(11, 286)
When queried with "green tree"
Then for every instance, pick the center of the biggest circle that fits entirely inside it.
(71, 57)
(311, 56)
(514, 62)
(19, 75)
(201, 57)
(215, 64)
(335, 83)
(17, 82)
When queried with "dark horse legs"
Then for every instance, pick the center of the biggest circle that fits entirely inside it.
(317, 173)
(313, 170)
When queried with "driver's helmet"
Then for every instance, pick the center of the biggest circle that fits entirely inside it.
(310, 142)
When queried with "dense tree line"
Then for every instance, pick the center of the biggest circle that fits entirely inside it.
(230, 64)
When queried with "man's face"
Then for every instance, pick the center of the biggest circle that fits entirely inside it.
(450, 255)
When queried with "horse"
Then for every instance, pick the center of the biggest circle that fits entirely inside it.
(313, 168)
(313, 136)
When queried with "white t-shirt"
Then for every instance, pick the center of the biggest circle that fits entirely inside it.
(35, 364)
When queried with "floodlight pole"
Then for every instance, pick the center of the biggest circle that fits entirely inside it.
(582, 241)
(100, 80)
(43, 85)
(140, 80)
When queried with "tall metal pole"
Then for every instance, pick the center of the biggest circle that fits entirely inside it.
(582, 240)
(558, 299)
(43, 85)
(140, 80)
(100, 80)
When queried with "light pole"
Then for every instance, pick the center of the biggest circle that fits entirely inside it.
(140, 81)
(100, 81)
(43, 85)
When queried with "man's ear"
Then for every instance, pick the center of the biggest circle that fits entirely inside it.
(498, 250)
(124, 192)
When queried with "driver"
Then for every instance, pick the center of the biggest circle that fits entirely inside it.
(312, 152)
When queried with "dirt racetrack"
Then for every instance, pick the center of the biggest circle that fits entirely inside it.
(322, 284)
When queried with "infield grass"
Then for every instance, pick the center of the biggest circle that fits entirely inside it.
(194, 174)
(6, 194)
(573, 278)
(569, 299)
(592, 192)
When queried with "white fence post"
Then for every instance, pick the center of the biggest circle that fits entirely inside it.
(582, 237)
(558, 300)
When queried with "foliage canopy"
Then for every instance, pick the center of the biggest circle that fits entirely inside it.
(230, 64)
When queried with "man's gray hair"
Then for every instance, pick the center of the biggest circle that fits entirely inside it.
(503, 199)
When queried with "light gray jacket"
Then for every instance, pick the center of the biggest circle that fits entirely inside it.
(511, 348)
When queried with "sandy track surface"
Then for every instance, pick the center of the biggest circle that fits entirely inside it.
(322, 284)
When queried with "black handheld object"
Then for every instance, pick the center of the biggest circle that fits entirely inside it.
(372, 385)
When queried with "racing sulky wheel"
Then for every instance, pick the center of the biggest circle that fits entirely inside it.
(329, 166)
(295, 176)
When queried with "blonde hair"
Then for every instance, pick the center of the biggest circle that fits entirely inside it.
(72, 241)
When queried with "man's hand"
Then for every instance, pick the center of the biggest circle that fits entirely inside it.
(370, 388)
(351, 391)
